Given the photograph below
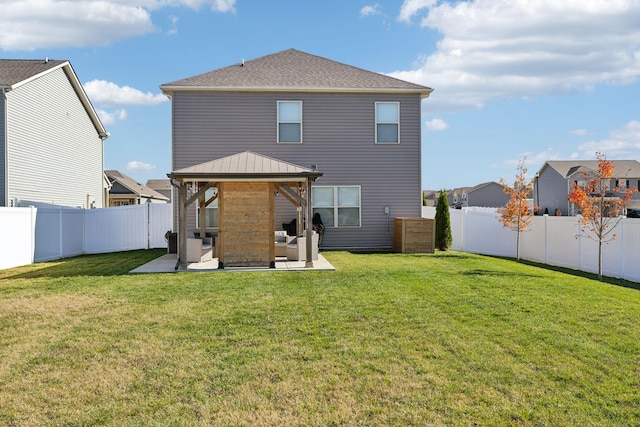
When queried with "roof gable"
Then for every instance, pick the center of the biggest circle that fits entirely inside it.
(133, 186)
(294, 70)
(16, 72)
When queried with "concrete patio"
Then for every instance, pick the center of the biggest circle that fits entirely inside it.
(167, 264)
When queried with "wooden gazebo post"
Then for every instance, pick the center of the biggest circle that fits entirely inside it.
(309, 228)
(182, 224)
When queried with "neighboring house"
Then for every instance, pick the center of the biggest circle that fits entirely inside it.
(51, 139)
(127, 191)
(360, 129)
(430, 197)
(486, 195)
(162, 186)
(553, 182)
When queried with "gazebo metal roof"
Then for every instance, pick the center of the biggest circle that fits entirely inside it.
(246, 166)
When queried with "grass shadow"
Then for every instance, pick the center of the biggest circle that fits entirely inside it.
(110, 264)
(495, 273)
(578, 273)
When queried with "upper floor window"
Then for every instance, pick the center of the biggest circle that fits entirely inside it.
(387, 122)
(337, 206)
(290, 121)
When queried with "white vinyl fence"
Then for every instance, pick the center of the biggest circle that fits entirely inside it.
(17, 241)
(552, 240)
(49, 233)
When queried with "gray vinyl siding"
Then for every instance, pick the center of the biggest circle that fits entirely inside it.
(552, 191)
(54, 151)
(489, 196)
(3, 148)
(338, 137)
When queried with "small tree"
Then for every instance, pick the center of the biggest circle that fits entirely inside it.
(600, 204)
(443, 223)
(517, 212)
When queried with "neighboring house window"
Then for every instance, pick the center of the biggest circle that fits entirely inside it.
(290, 121)
(337, 206)
(387, 122)
(211, 211)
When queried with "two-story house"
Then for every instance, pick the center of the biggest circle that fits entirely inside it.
(51, 139)
(554, 179)
(360, 129)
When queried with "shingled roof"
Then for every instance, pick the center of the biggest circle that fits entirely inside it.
(245, 166)
(133, 186)
(621, 168)
(14, 71)
(293, 70)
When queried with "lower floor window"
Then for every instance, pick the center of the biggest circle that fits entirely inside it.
(338, 206)
(211, 211)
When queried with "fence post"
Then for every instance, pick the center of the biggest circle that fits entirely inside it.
(546, 238)
(622, 272)
(148, 209)
(60, 233)
(579, 246)
(462, 227)
(32, 232)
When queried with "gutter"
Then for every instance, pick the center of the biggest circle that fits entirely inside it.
(168, 90)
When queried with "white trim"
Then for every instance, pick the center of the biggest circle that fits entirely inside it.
(336, 207)
(377, 122)
(284, 122)
(168, 90)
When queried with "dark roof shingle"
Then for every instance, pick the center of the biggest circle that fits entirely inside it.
(293, 69)
(13, 71)
(134, 186)
(621, 168)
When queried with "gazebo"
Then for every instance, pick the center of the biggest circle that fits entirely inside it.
(246, 186)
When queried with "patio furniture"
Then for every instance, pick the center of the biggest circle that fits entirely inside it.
(297, 248)
(282, 240)
(199, 249)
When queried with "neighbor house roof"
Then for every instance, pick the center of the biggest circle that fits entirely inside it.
(293, 70)
(16, 72)
(567, 168)
(245, 166)
(133, 186)
(159, 184)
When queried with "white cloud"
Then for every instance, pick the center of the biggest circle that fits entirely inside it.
(410, 8)
(136, 166)
(110, 117)
(494, 49)
(579, 132)
(436, 125)
(370, 10)
(623, 143)
(107, 93)
(33, 24)
(37, 24)
(532, 161)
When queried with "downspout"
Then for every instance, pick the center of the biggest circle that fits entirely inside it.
(5, 137)
(105, 192)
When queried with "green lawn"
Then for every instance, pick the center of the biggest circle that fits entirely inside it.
(387, 339)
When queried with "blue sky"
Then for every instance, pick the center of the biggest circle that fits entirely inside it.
(544, 79)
